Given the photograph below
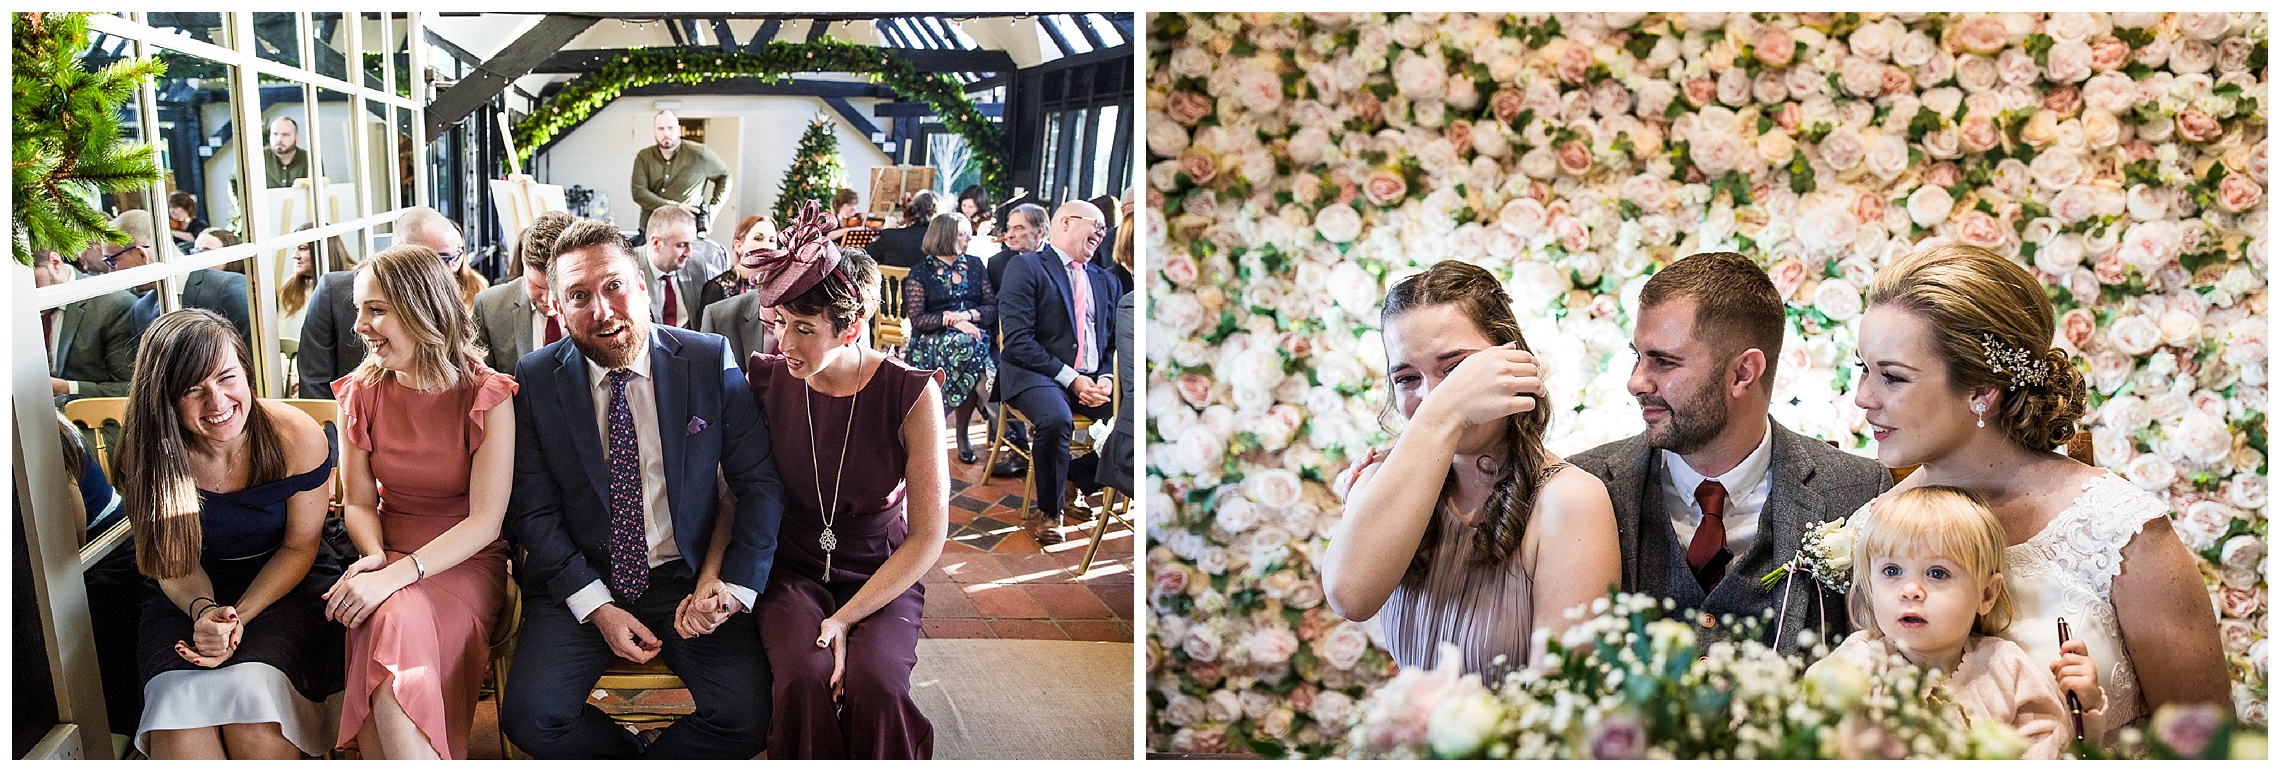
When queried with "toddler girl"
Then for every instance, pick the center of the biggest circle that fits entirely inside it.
(1927, 581)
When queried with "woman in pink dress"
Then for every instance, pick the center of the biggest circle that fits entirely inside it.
(427, 490)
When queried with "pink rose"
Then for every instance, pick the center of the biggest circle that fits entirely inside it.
(1505, 104)
(1270, 645)
(1887, 157)
(2192, 57)
(1385, 188)
(1421, 78)
(1198, 166)
(1774, 47)
(1944, 174)
(1734, 87)
(1700, 91)
(2068, 62)
(1982, 34)
(1187, 107)
(1770, 87)
(1975, 73)
(1861, 77)
(2238, 603)
(2076, 327)
(1717, 153)
(1201, 645)
(1368, 108)
(2016, 68)
(2237, 193)
(1787, 276)
(1913, 49)
(2232, 55)
(1789, 117)
(1647, 191)
(2111, 91)
(2063, 100)
(1979, 230)
(2108, 53)
(1575, 64)
(1896, 80)
(1979, 134)
(1573, 235)
(1196, 389)
(2151, 472)
(1841, 150)
(2203, 26)
(2197, 126)
(1169, 582)
(1575, 158)
(1344, 646)
(1522, 217)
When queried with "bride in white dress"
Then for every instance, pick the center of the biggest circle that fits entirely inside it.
(1959, 378)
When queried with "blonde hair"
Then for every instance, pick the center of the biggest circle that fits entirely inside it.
(421, 292)
(1965, 292)
(1946, 521)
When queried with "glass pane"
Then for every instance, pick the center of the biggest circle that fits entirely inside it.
(285, 199)
(375, 30)
(198, 144)
(1050, 176)
(223, 291)
(208, 27)
(407, 157)
(328, 44)
(400, 53)
(277, 37)
(379, 177)
(335, 119)
(1104, 144)
(102, 51)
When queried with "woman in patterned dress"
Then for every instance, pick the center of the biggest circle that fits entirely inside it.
(950, 303)
(1960, 378)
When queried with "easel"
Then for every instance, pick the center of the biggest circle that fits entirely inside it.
(520, 199)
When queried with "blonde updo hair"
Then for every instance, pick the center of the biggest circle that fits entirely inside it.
(1964, 292)
(1931, 521)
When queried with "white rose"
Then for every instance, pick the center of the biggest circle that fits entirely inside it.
(1717, 153)
(1354, 289)
(1202, 644)
(2249, 491)
(1270, 645)
(2056, 168)
(2202, 438)
(1342, 648)
(1200, 450)
(1275, 487)
(1888, 156)
(2203, 523)
(1464, 721)
(1930, 205)
(1338, 223)
(1166, 138)
(2151, 472)
(1827, 230)
(2243, 552)
(1535, 285)
(1191, 62)
(1540, 163)
(1838, 299)
(1522, 217)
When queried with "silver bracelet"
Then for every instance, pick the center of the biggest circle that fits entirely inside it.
(417, 565)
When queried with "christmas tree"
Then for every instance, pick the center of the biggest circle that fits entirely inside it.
(816, 173)
(67, 136)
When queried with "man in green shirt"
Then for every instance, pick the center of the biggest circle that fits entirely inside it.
(674, 172)
(284, 162)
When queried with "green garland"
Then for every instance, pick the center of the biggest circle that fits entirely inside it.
(581, 98)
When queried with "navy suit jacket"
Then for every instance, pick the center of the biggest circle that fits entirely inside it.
(708, 427)
(1037, 319)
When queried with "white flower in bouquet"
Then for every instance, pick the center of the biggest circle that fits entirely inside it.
(1465, 720)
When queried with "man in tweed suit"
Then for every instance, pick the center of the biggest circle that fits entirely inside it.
(1715, 495)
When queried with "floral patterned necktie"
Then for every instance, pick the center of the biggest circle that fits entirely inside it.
(629, 533)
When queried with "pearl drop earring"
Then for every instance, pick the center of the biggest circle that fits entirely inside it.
(1980, 409)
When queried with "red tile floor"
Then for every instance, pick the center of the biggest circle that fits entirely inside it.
(993, 581)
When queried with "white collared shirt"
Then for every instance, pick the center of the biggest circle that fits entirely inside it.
(538, 341)
(1747, 488)
(641, 400)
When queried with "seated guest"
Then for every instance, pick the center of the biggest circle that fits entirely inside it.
(749, 327)
(1024, 232)
(1116, 451)
(1054, 366)
(517, 317)
(950, 302)
(91, 351)
(214, 238)
(974, 205)
(219, 291)
(227, 502)
(625, 432)
(743, 273)
(96, 496)
(293, 295)
(899, 247)
(676, 282)
(328, 347)
(182, 220)
(840, 618)
(428, 454)
(846, 215)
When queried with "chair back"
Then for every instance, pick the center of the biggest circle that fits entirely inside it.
(890, 327)
(90, 414)
(327, 414)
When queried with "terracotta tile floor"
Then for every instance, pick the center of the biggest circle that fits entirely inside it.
(993, 581)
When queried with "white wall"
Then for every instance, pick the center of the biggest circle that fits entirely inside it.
(599, 153)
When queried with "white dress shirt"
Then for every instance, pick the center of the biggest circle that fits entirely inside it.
(538, 341)
(641, 400)
(1080, 296)
(1747, 487)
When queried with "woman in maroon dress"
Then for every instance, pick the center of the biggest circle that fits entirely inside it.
(857, 437)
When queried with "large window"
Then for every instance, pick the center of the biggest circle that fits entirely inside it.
(274, 130)
(1075, 133)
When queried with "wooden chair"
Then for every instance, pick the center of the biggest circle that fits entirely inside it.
(621, 674)
(1113, 505)
(889, 330)
(1080, 442)
(90, 414)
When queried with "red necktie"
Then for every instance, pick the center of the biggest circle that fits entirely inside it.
(553, 329)
(1707, 555)
(672, 303)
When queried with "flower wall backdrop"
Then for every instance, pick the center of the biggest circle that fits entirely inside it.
(1301, 162)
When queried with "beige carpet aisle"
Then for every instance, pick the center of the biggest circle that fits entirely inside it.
(1026, 699)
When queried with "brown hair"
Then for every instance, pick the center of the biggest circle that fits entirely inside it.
(665, 217)
(920, 209)
(418, 289)
(1965, 292)
(538, 240)
(1123, 251)
(293, 294)
(180, 350)
(589, 233)
(736, 243)
(843, 302)
(1931, 521)
(843, 198)
(1736, 307)
(941, 238)
(1478, 295)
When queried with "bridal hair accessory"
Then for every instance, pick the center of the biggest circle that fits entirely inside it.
(2015, 363)
(807, 256)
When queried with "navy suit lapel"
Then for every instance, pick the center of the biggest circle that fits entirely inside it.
(1056, 273)
(669, 376)
(585, 434)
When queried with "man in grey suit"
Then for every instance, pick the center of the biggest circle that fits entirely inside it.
(518, 317)
(221, 292)
(329, 345)
(91, 352)
(1715, 494)
(676, 281)
(747, 326)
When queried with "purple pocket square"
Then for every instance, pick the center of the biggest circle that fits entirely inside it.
(696, 424)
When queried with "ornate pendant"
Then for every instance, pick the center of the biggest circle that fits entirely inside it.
(829, 541)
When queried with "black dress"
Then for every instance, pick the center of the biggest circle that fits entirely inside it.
(242, 530)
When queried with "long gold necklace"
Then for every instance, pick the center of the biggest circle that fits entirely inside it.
(830, 541)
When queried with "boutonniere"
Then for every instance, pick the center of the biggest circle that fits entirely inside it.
(696, 424)
(1825, 552)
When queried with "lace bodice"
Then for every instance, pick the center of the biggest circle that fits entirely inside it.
(2067, 570)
